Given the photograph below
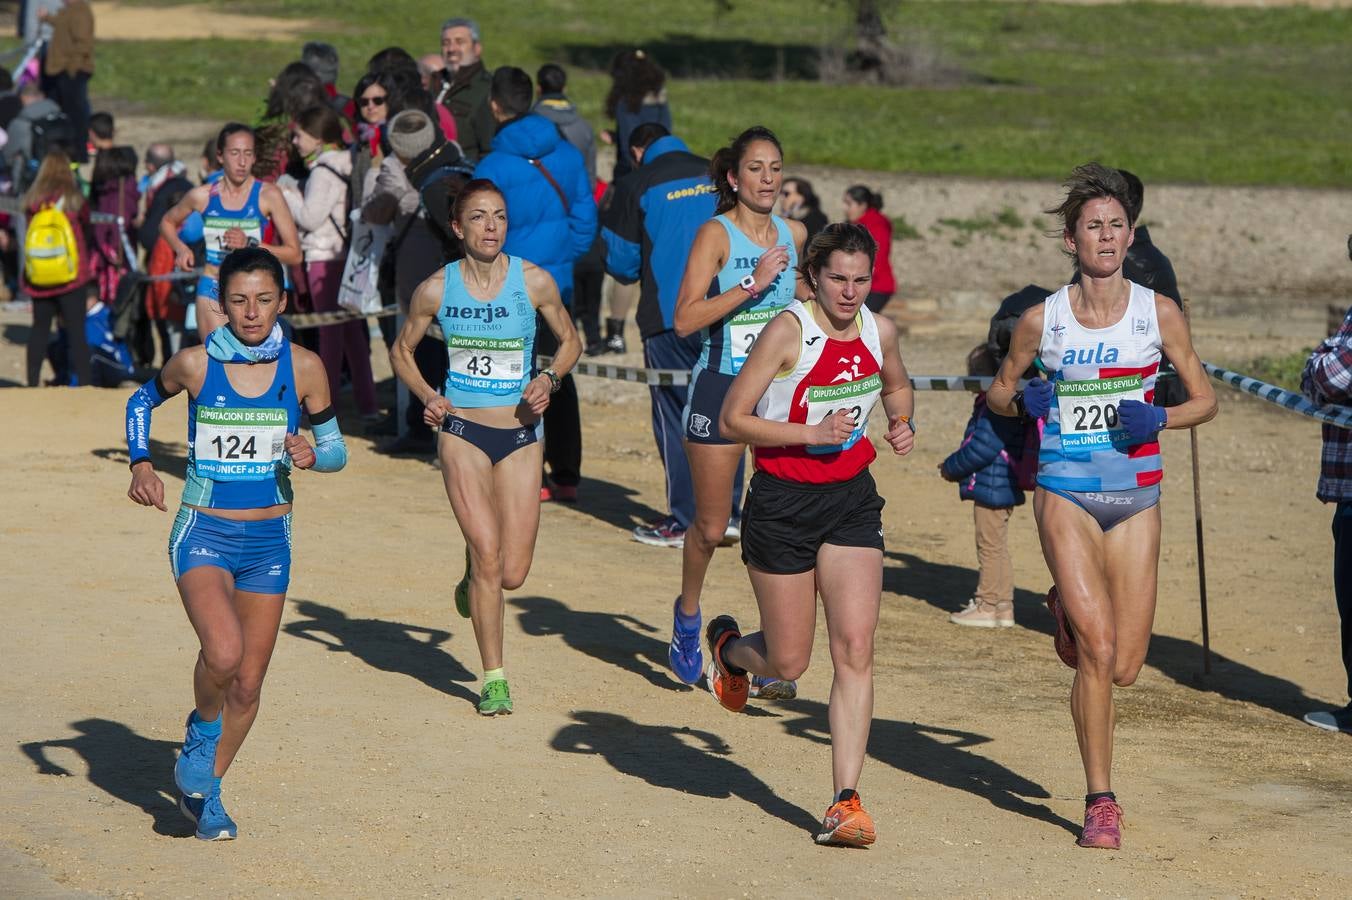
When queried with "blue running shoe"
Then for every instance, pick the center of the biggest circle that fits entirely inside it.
(213, 822)
(196, 767)
(767, 688)
(685, 655)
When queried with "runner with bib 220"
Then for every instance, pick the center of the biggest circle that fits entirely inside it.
(741, 273)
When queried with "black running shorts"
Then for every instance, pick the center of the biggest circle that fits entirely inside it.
(784, 523)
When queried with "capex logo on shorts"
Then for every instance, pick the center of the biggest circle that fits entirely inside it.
(699, 425)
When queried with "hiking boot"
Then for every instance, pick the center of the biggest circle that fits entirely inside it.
(981, 614)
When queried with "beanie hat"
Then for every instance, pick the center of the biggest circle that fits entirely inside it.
(410, 133)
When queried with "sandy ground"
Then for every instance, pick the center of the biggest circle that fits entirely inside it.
(368, 772)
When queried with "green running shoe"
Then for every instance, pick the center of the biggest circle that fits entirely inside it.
(462, 591)
(496, 699)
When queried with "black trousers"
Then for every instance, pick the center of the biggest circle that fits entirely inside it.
(563, 419)
(71, 93)
(588, 281)
(71, 305)
(1342, 579)
(430, 358)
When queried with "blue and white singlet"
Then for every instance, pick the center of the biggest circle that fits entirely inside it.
(728, 342)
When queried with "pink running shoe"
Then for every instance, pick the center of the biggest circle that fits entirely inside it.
(1064, 639)
(1102, 825)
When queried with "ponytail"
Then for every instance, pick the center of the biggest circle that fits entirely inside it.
(860, 193)
(727, 159)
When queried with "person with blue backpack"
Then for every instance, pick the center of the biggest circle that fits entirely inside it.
(987, 469)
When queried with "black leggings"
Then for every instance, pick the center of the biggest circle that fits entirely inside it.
(71, 305)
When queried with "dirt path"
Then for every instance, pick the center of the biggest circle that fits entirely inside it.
(368, 773)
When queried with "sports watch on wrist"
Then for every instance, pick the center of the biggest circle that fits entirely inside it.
(554, 381)
(748, 284)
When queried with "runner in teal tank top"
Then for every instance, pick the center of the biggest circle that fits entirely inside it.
(238, 211)
(230, 547)
(487, 306)
(740, 274)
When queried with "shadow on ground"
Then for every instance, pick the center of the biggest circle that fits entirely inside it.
(168, 459)
(124, 765)
(680, 759)
(612, 503)
(617, 639)
(947, 588)
(396, 647)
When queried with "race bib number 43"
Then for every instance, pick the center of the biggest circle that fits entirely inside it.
(743, 331)
(855, 397)
(1088, 411)
(487, 365)
(239, 444)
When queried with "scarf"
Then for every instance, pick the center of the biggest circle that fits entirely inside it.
(151, 183)
(224, 346)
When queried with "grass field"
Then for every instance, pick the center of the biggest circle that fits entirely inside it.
(1177, 93)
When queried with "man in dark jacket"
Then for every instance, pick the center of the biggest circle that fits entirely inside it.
(464, 86)
(649, 226)
(557, 108)
(551, 221)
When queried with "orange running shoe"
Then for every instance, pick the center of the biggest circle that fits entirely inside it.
(846, 824)
(1064, 639)
(730, 687)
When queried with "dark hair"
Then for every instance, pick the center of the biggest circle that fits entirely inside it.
(322, 58)
(1091, 181)
(379, 79)
(231, 129)
(249, 259)
(839, 236)
(643, 136)
(860, 193)
(472, 187)
(112, 164)
(101, 125)
(1135, 194)
(804, 189)
(293, 89)
(551, 79)
(512, 90)
(390, 58)
(633, 76)
(209, 152)
(727, 159)
(321, 122)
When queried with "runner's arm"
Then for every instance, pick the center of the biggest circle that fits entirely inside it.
(273, 205)
(1177, 340)
(422, 310)
(185, 368)
(775, 351)
(329, 453)
(707, 255)
(193, 201)
(1001, 399)
(898, 395)
(544, 296)
(801, 289)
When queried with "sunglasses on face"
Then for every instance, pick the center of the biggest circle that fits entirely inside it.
(373, 101)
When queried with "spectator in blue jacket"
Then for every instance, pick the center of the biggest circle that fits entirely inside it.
(648, 228)
(984, 467)
(552, 218)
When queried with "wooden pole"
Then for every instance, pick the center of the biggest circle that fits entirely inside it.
(1197, 519)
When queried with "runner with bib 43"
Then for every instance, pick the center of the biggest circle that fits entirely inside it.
(1099, 471)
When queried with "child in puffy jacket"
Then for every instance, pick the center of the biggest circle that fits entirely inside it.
(986, 468)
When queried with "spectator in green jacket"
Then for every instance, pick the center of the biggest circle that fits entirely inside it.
(464, 85)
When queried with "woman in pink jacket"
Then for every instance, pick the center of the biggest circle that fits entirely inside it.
(321, 219)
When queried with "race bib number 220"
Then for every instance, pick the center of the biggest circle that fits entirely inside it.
(1088, 411)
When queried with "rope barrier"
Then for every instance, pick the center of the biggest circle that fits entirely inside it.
(1337, 416)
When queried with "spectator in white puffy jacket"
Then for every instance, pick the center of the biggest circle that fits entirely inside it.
(321, 218)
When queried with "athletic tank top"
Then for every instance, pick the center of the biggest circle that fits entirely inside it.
(236, 445)
(217, 220)
(1084, 447)
(490, 344)
(829, 375)
(727, 342)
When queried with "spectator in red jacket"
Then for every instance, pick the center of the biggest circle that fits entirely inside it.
(864, 207)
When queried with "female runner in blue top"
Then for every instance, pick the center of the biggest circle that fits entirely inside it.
(1099, 469)
(488, 412)
(237, 211)
(230, 547)
(740, 275)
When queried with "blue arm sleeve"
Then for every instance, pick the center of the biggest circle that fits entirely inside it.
(147, 397)
(330, 451)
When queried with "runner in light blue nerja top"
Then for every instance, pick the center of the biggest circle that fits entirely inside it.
(490, 344)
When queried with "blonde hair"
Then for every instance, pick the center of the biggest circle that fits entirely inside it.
(55, 178)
